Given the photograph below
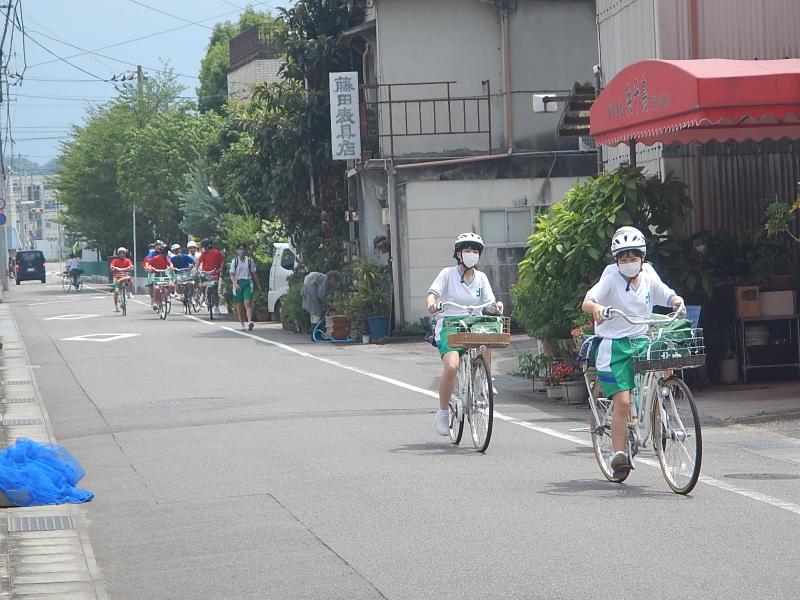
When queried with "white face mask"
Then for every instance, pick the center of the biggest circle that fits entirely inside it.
(470, 259)
(630, 270)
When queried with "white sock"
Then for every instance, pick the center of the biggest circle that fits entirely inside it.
(443, 412)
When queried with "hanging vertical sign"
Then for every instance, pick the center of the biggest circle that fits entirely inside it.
(345, 119)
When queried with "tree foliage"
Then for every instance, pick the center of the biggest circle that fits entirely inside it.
(200, 209)
(156, 159)
(569, 248)
(88, 182)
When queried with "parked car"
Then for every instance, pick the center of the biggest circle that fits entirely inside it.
(283, 264)
(30, 266)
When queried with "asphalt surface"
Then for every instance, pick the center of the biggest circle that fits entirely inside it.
(228, 467)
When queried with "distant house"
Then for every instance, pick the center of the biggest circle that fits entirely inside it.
(253, 55)
(450, 139)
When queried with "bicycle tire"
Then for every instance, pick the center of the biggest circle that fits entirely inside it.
(681, 476)
(601, 437)
(456, 419)
(481, 410)
(66, 284)
(211, 301)
(123, 300)
(79, 285)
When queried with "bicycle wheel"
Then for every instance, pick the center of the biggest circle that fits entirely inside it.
(211, 301)
(66, 284)
(187, 301)
(676, 436)
(601, 436)
(79, 285)
(123, 300)
(481, 411)
(457, 399)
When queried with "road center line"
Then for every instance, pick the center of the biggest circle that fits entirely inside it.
(712, 481)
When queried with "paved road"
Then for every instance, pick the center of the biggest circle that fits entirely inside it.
(229, 465)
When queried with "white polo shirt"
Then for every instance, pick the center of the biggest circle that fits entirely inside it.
(448, 287)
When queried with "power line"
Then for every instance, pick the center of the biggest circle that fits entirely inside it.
(163, 12)
(149, 35)
(25, 34)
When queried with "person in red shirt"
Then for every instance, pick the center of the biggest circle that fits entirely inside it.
(159, 267)
(121, 268)
(211, 262)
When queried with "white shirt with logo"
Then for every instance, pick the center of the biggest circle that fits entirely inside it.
(635, 301)
(449, 287)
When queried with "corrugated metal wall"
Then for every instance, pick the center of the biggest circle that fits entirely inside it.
(728, 180)
(627, 33)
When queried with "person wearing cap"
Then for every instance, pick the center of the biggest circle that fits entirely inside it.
(315, 289)
(121, 268)
(183, 264)
(632, 286)
(151, 252)
(193, 250)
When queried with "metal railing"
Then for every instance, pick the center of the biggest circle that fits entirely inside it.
(253, 43)
(386, 115)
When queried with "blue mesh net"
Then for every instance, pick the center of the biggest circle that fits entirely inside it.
(34, 474)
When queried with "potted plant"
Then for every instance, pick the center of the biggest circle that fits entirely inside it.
(535, 368)
(553, 381)
(573, 385)
(260, 306)
(371, 297)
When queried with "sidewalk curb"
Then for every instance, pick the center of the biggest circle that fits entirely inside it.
(77, 512)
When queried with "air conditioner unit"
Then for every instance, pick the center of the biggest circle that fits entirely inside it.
(586, 143)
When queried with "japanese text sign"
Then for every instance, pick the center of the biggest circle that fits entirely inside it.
(345, 118)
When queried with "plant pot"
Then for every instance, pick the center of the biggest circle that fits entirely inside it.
(378, 327)
(365, 338)
(539, 385)
(555, 392)
(729, 370)
(575, 392)
(262, 315)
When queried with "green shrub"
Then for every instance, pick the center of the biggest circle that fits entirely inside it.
(568, 250)
(292, 312)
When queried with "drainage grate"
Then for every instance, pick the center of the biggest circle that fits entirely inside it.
(17, 400)
(17, 422)
(51, 523)
(15, 382)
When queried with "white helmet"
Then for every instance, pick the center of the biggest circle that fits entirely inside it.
(469, 240)
(192, 244)
(122, 249)
(175, 247)
(628, 238)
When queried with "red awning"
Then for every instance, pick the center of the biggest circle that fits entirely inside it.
(699, 100)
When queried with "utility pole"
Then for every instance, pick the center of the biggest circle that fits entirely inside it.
(140, 88)
(3, 200)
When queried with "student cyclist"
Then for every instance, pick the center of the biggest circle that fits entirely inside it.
(73, 268)
(633, 287)
(121, 269)
(183, 263)
(158, 262)
(465, 285)
(242, 272)
(211, 261)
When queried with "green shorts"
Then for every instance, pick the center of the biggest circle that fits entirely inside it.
(613, 360)
(244, 291)
(442, 343)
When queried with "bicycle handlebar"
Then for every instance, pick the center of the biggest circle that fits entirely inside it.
(610, 312)
(440, 306)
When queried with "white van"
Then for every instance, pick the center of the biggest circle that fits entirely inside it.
(284, 262)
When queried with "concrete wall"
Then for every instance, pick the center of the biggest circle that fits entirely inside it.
(553, 44)
(242, 81)
(433, 213)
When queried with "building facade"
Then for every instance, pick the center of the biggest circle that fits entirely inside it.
(33, 212)
(726, 179)
(253, 61)
(450, 139)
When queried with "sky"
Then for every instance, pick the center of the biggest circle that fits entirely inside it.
(53, 94)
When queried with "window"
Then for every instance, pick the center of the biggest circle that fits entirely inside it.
(507, 227)
(287, 260)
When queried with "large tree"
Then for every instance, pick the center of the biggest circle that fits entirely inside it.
(155, 162)
(87, 184)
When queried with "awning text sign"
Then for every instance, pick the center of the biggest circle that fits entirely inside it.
(345, 116)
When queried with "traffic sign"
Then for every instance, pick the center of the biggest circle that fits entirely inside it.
(2, 203)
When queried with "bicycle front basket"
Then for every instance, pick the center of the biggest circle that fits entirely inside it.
(671, 349)
(473, 332)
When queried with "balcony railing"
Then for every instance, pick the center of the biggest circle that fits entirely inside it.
(253, 43)
(393, 111)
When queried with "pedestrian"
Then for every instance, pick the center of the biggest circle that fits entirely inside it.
(242, 272)
(315, 289)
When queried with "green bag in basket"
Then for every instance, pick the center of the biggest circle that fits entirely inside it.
(673, 340)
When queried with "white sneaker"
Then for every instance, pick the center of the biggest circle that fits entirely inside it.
(216, 310)
(443, 422)
(116, 309)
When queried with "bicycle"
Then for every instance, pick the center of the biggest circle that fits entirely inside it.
(163, 282)
(473, 395)
(68, 281)
(122, 279)
(184, 281)
(209, 281)
(663, 410)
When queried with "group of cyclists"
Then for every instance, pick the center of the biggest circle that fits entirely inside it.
(171, 270)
